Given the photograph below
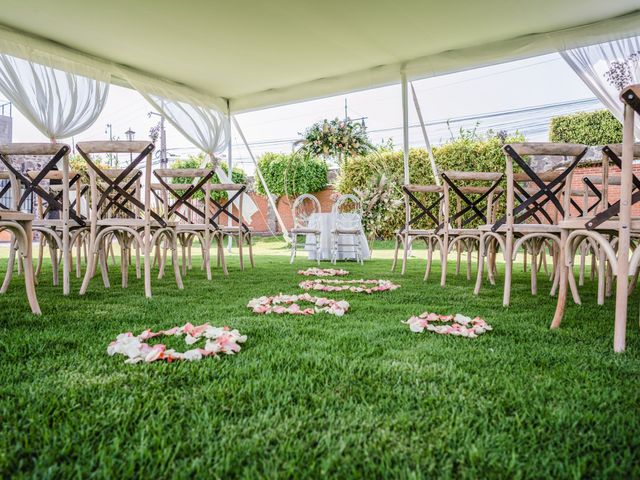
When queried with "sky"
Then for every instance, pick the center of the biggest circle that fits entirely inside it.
(507, 87)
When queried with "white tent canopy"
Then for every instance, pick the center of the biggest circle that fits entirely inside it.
(250, 55)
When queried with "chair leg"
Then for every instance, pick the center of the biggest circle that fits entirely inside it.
(250, 245)
(294, 242)
(481, 258)
(508, 268)
(10, 264)
(427, 270)
(240, 253)
(53, 253)
(395, 254)
(221, 257)
(29, 280)
(534, 269)
(563, 283)
(445, 256)
(405, 253)
(40, 256)
(174, 260)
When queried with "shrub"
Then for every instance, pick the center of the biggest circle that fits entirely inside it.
(292, 174)
(237, 175)
(360, 175)
(590, 128)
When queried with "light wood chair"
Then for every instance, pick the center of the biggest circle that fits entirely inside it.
(234, 225)
(612, 229)
(347, 214)
(304, 207)
(19, 224)
(423, 208)
(534, 204)
(179, 203)
(121, 207)
(476, 196)
(57, 222)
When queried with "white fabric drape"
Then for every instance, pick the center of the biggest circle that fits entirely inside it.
(201, 122)
(60, 103)
(590, 64)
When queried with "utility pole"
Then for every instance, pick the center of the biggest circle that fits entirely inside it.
(109, 130)
(163, 140)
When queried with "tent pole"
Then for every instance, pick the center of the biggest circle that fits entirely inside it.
(230, 173)
(270, 199)
(405, 126)
(434, 168)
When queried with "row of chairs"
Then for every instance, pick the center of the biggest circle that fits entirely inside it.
(144, 211)
(347, 230)
(544, 216)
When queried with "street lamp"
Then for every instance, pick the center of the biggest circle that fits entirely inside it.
(130, 134)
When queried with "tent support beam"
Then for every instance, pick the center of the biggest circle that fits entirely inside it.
(405, 126)
(434, 167)
(270, 199)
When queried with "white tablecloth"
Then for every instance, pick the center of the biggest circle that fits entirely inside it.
(326, 222)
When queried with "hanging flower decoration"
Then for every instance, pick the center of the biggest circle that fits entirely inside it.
(625, 72)
(355, 286)
(337, 138)
(281, 304)
(217, 340)
(458, 324)
(323, 272)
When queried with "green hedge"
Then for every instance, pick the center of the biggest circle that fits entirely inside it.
(292, 174)
(237, 175)
(365, 175)
(590, 128)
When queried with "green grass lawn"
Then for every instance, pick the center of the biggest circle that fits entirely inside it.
(357, 396)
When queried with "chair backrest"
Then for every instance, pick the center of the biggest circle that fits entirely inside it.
(426, 201)
(303, 208)
(539, 197)
(185, 194)
(49, 186)
(347, 211)
(610, 197)
(121, 192)
(470, 198)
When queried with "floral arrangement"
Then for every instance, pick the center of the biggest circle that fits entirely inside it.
(355, 286)
(336, 138)
(458, 324)
(323, 272)
(623, 73)
(218, 340)
(276, 304)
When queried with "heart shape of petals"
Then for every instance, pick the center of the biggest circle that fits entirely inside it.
(218, 340)
(323, 272)
(355, 286)
(457, 325)
(282, 304)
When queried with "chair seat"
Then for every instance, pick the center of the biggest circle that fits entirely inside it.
(306, 230)
(131, 222)
(612, 225)
(524, 228)
(463, 231)
(56, 224)
(10, 215)
(417, 232)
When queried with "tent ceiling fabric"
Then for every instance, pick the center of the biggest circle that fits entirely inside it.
(258, 54)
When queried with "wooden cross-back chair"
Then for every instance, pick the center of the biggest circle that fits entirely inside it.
(121, 207)
(476, 196)
(19, 224)
(420, 213)
(611, 230)
(179, 202)
(58, 223)
(534, 204)
(234, 225)
(304, 207)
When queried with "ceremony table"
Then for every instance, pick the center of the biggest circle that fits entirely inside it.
(325, 222)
